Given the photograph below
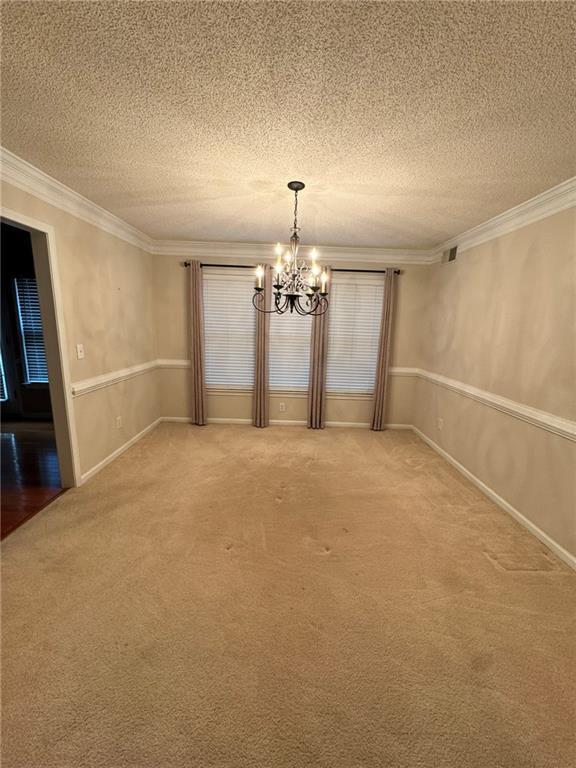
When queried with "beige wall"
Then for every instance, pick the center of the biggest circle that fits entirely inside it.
(503, 315)
(107, 294)
(502, 318)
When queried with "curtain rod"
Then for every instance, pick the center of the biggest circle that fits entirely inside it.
(369, 271)
(251, 266)
(223, 266)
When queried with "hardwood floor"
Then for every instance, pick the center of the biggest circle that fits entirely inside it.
(30, 472)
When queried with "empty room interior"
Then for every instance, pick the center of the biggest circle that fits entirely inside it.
(288, 384)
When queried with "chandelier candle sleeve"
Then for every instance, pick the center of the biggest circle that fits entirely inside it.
(300, 285)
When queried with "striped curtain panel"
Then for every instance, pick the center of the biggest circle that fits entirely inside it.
(381, 385)
(198, 386)
(260, 400)
(317, 377)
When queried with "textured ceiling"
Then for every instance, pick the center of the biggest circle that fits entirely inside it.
(409, 121)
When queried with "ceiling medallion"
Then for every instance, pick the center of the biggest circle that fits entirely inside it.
(299, 286)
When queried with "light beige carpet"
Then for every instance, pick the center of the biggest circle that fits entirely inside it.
(231, 597)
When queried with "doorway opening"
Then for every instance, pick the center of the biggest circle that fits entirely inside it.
(30, 472)
(38, 461)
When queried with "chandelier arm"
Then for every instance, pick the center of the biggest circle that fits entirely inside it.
(281, 307)
(257, 298)
(299, 308)
(322, 302)
(310, 303)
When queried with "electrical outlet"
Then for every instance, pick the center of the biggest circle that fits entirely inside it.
(80, 351)
(440, 423)
(282, 407)
(118, 422)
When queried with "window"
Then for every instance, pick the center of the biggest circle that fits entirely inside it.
(229, 327)
(354, 331)
(289, 351)
(3, 387)
(28, 305)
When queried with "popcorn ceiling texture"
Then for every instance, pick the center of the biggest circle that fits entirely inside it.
(409, 121)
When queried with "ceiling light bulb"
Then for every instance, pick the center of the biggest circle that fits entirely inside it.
(287, 257)
(278, 249)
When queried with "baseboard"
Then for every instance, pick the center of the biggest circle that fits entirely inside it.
(114, 455)
(177, 419)
(287, 423)
(229, 421)
(549, 542)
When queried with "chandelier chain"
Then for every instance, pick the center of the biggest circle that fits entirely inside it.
(295, 210)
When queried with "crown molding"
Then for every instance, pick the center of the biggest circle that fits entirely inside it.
(22, 174)
(251, 252)
(30, 179)
(552, 201)
(18, 172)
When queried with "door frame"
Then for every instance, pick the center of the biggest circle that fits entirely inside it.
(51, 306)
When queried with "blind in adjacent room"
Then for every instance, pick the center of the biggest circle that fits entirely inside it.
(3, 387)
(354, 331)
(289, 351)
(229, 327)
(32, 337)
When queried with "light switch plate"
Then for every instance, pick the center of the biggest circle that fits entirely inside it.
(80, 351)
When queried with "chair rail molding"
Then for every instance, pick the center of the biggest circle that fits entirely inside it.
(548, 421)
(86, 386)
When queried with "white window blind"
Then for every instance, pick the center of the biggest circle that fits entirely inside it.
(229, 327)
(3, 387)
(354, 331)
(31, 333)
(289, 351)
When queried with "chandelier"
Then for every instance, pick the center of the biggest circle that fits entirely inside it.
(299, 286)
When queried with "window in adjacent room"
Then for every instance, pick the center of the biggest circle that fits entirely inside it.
(3, 387)
(31, 334)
